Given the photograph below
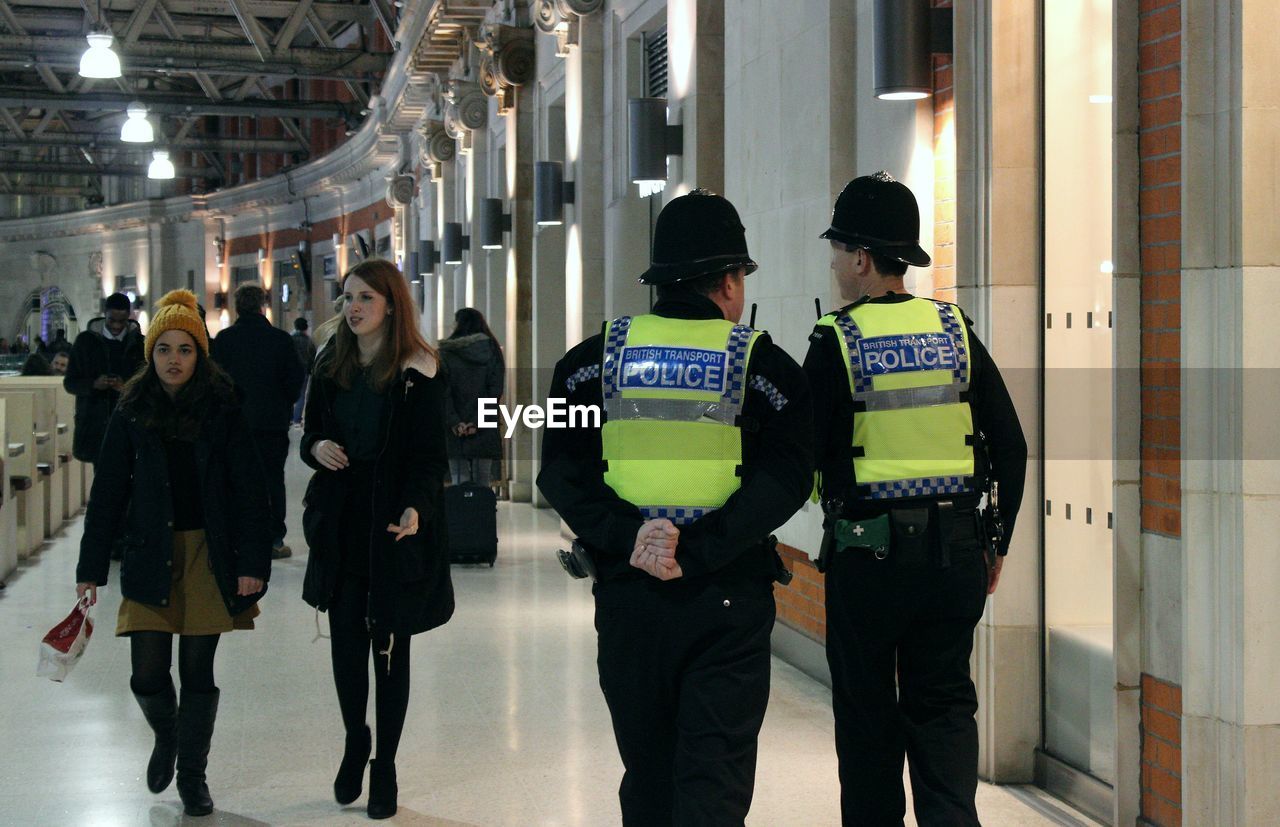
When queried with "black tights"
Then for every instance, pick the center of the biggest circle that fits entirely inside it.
(152, 654)
(350, 644)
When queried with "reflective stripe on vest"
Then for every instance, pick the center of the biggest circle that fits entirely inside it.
(908, 369)
(673, 391)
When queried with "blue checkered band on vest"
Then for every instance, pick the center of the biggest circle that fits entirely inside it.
(680, 515)
(776, 399)
(924, 487)
(582, 375)
(849, 329)
(951, 324)
(739, 338)
(613, 342)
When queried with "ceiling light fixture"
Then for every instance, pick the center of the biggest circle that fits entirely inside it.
(907, 33)
(161, 168)
(137, 129)
(98, 61)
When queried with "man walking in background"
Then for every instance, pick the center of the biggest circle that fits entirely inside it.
(265, 366)
(306, 350)
(103, 358)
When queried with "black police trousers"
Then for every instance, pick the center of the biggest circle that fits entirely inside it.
(887, 619)
(686, 679)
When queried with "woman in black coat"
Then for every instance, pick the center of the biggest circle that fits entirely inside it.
(474, 369)
(179, 486)
(373, 515)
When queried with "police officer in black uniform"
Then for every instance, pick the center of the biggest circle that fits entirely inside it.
(904, 394)
(705, 449)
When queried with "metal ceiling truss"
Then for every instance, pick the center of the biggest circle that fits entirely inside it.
(184, 58)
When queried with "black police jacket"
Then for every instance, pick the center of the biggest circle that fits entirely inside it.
(264, 363)
(993, 414)
(131, 502)
(725, 546)
(410, 589)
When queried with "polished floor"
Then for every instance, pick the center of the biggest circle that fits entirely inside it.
(506, 723)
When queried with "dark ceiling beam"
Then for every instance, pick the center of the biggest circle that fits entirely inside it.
(172, 104)
(264, 9)
(121, 170)
(111, 140)
(50, 189)
(322, 37)
(291, 27)
(201, 56)
(252, 28)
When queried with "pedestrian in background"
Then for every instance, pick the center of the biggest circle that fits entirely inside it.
(306, 350)
(262, 361)
(474, 369)
(103, 358)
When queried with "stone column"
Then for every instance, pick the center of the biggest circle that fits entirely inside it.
(695, 49)
(1231, 350)
(519, 321)
(549, 278)
(998, 168)
(584, 140)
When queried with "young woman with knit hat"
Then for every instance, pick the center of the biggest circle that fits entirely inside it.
(178, 483)
(374, 430)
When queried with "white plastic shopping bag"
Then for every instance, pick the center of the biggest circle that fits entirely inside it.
(65, 643)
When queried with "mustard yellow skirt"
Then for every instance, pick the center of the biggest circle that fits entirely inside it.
(195, 602)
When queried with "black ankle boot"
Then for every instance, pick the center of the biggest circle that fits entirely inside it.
(161, 711)
(196, 715)
(350, 778)
(382, 788)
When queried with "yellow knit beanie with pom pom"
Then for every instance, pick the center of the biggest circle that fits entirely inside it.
(177, 310)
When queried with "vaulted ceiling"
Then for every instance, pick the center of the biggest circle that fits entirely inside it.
(236, 89)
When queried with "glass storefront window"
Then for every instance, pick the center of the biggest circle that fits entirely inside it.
(1079, 701)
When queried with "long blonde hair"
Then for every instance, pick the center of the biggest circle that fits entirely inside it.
(403, 340)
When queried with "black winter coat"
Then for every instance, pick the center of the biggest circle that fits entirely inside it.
(131, 501)
(92, 356)
(473, 368)
(410, 589)
(265, 366)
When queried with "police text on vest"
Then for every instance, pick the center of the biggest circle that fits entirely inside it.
(905, 354)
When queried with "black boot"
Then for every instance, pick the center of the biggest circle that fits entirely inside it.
(350, 778)
(382, 789)
(161, 711)
(196, 715)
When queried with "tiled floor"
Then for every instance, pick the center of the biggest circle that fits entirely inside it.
(506, 725)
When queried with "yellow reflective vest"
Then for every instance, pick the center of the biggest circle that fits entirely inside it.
(673, 392)
(908, 369)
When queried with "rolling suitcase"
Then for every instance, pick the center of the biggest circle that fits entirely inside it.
(472, 512)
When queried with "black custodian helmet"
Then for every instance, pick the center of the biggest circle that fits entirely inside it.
(698, 234)
(880, 214)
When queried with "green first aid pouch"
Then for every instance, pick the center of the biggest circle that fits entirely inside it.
(872, 534)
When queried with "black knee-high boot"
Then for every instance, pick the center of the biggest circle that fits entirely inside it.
(196, 715)
(161, 711)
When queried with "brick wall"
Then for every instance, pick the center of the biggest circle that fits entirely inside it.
(802, 605)
(1161, 752)
(1160, 235)
(1160, 239)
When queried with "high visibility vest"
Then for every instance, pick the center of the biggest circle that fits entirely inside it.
(908, 369)
(673, 392)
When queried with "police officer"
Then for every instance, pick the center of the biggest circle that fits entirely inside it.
(903, 394)
(705, 449)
